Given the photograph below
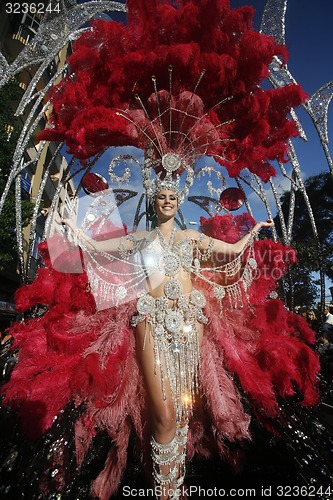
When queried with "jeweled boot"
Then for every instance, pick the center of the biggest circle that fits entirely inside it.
(165, 456)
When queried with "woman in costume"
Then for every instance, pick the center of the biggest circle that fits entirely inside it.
(169, 323)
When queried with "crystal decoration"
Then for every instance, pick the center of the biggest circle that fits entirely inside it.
(161, 303)
(317, 107)
(252, 263)
(159, 330)
(173, 289)
(273, 23)
(121, 293)
(146, 304)
(175, 347)
(173, 321)
(273, 19)
(169, 264)
(196, 263)
(116, 163)
(197, 298)
(171, 162)
(219, 292)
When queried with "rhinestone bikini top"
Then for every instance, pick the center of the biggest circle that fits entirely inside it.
(167, 257)
(121, 277)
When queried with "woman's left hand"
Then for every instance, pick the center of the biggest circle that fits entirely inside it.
(267, 223)
(260, 225)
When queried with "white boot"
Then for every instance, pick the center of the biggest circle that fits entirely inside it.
(165, 455)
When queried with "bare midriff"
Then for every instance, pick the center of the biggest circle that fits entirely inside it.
(157, 290)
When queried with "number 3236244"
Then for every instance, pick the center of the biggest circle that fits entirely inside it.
(304, 491)
(32, 8)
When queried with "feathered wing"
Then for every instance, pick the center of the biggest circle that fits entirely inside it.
(75, 353)
(267, 347)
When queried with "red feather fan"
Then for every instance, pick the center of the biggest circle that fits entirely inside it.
(73, 352)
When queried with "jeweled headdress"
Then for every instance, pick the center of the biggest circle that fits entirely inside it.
(174, 131)
(170, 162)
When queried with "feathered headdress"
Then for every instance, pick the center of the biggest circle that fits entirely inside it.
(112, 102)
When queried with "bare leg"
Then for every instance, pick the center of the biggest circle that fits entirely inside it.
(168, 436)
(182, 430)
(163, 412)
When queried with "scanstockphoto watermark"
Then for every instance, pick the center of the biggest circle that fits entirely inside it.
(189, 491)
(276, 491)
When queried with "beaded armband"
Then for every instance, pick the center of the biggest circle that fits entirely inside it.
(124, 252)
(200, 238)
(204, 255)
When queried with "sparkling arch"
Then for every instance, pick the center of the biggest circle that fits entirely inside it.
(57, 31)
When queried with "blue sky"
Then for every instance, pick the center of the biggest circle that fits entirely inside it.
(309, 39)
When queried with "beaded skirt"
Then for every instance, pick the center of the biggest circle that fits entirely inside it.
(174, 326)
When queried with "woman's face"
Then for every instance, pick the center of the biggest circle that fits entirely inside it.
(166, 204)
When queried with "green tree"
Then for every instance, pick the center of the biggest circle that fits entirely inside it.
(313, 254)
(10, 128)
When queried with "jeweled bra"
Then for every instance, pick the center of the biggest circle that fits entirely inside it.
(120, 277)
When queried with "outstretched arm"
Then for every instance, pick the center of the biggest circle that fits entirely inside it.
(227, 249)
(113, 245)
(238, 247)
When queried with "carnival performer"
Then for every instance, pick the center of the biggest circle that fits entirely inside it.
(180, 83)
(169, 324)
